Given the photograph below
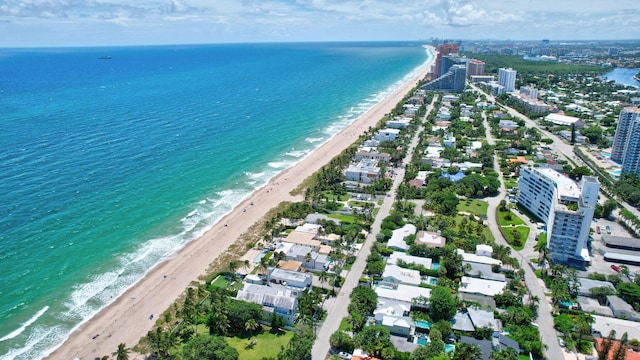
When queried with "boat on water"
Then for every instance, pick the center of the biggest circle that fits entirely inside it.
(104, 58)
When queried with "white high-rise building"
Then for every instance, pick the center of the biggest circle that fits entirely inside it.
(507, 78)
(566, 208)
(626, 146)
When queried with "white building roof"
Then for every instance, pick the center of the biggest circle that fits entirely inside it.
(397, 239)
(478, 259)
(481, 286)
(565, 186)
(402, 275)
(397, 321)
(483, 319)
(433, 151)
(561, 119)
(409, 259)
(606, 324)
(405, 293)
(484, 248)
(309, 228)
(391, 307)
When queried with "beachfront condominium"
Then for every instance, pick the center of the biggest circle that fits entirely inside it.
(507, 78)
(626, 143)
(444, 49)
(565, 207)
(453, 80)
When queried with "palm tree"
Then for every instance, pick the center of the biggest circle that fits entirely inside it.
(506, 353)
(246, 265)
(464, 351)
(323, 277)
(122, 353)
(251, 325)
(583, 325)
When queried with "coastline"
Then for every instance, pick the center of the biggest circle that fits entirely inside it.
(126, 320)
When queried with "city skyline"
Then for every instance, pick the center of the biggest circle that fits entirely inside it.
(37, 23)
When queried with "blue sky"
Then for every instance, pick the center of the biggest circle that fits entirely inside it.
(139, 22)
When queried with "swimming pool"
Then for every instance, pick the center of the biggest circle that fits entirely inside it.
(606, 154)
(449, 348)
(423, 324)
(435, 266)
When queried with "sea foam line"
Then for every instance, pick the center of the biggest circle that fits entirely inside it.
(24, 325)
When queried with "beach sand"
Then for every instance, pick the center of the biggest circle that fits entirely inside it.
(127, 319)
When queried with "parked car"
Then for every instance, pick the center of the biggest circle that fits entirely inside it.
(598, 230)
(344, 355)
(608, 228)
(615, 268)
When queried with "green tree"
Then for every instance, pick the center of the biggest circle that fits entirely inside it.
(340, 340)
(505, 353)
(204, 346)
(608, 207)
(464, 351)
(374, 339)
(122, 353)
(442, 304)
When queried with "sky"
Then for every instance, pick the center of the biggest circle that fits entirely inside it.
(43, 23)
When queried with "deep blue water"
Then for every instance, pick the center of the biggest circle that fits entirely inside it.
(109, 166)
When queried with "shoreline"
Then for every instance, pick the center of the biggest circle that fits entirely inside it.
(126, 319)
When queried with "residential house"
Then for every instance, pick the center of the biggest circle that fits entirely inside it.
(402, 293)
(394, 275)
(289, 278)
(481, 286)
(365, 171)
(273, 299)
(621, 309)
(396, 257)
(397, 238)
(387, 134)
(431, 239)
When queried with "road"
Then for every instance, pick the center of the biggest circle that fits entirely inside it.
(548, 334)
(337, 307)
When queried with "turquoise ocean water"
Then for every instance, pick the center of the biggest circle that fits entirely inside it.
(108, 166)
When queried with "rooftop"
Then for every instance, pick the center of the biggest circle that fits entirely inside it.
(395, 256)
(402, 275)
(302, 238)
(405, 293)
(481, 286)
(565, 186)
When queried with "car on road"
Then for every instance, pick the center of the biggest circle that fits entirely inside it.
(598, 230)
(344, 355)
(615, 268)
(608, 229)
(561, 342)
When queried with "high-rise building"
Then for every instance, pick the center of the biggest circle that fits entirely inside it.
(454, 80)
(507, 78)
(448, 61)
(444, 49)
(475, 67)
(566, 208)
(622, 146)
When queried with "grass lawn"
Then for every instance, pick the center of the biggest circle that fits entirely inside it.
(507, 232)
(343, 218)
(510, 183)
(220, 282)
(267, 344)
(473, 206)
(502, 221)
(485, 230)
(330, 195)
(344, 325)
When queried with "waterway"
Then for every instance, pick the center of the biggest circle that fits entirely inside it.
(623, 76)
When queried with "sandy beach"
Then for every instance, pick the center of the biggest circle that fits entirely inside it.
(127, 319)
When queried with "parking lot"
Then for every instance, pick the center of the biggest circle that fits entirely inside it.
(598, 264)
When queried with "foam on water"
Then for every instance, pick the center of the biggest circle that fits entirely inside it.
(24, 325)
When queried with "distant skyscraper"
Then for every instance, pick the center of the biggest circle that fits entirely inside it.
(507, 78)
(626, 142)
(475, 67)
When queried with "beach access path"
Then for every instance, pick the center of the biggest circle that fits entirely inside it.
(337, 308)
(126, 320)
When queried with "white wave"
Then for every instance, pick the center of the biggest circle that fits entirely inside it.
(313, 140)
(34, 347)
(279, 164)
(24, 325)
(297, 153)
(202, 202)
(255, 176)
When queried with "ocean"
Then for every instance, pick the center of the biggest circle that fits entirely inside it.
(111, 159)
